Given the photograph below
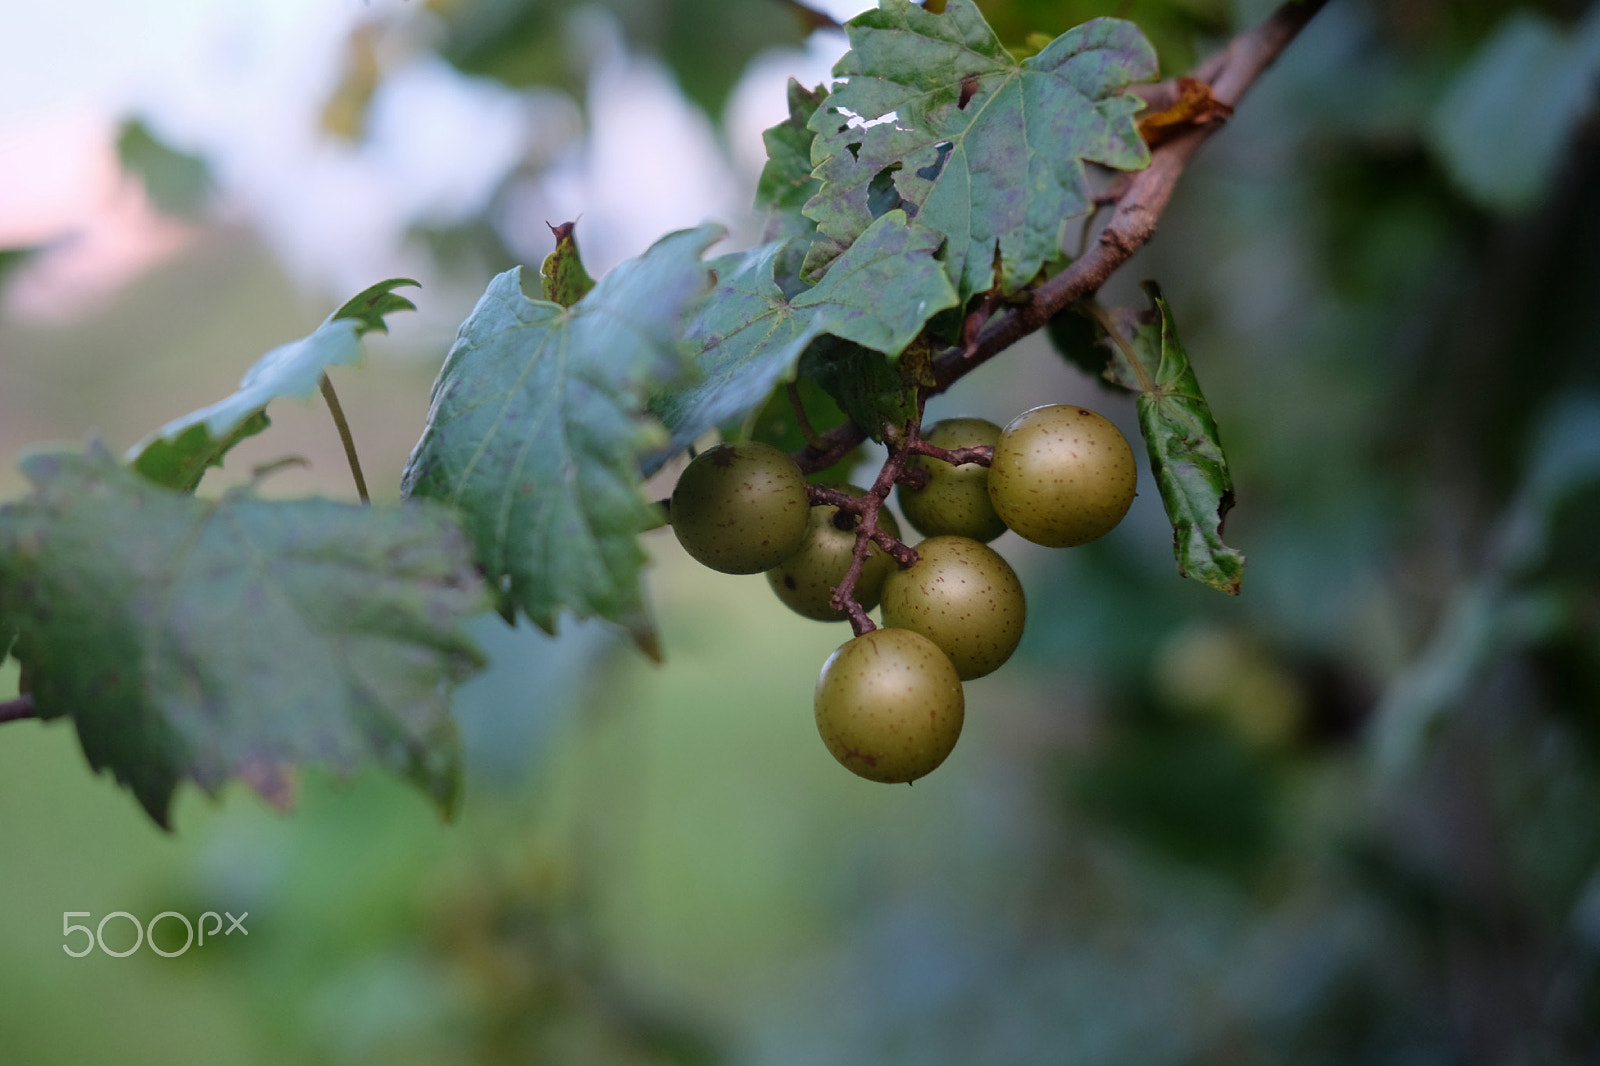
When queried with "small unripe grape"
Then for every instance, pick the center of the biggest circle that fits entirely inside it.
(805, 581)
(1062, 476)
(962, 596)
(955, 501)
(889, 705)
(740, 509)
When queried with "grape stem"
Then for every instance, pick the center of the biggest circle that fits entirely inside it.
(17, 710)
(1138, 203)
(868, 507)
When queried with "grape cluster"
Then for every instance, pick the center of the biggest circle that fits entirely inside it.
(889, 703)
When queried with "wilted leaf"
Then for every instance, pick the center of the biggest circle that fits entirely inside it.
(1194, 107)
(878, 295)
(538, 426)
(1185, 449)
(936, 116)
(241, 638)
(178, 454)
(562, 276)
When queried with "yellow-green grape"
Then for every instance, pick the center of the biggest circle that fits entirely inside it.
(955, 501)
(889, 705)
(1062, 476)
(741, 509)
(805, 581)
(962, 596)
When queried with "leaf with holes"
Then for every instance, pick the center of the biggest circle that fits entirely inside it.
(935, 116)
(538, 426)
(750, 335)
(237, 638)
(179, 453)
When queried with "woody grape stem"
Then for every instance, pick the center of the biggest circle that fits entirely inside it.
(345, 436)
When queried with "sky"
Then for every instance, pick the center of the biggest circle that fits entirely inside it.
(243, 84)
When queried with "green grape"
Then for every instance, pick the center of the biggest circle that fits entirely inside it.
(805, 581)
(1062, 476)
(740, 508)
(889, 705)
(955, 501)
(962, 596)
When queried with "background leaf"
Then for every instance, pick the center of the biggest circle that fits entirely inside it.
(179, 453)
(981, 147)
(1529, 84)
(237, 638)
(878, 295)
(538, 426)
(176, 182)
(707, 43)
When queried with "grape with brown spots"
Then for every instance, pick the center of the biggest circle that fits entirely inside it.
(805, 581)
(962, 596)
(889, 705)
(955, 500)
(1062, 475)
(741, 509)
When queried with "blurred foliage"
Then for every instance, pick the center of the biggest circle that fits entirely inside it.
(176, 182)
(705, 42)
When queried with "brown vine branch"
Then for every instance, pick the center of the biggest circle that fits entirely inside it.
(982, 454)
(17, 710)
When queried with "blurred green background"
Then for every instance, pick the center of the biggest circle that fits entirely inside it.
(1350, 817)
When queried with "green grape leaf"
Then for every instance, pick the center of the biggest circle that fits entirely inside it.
(866, 385)
(562, 276)
(240, 637)
(179, 453)
(786, 182)
(538, 426)
(750, 335)
(937, 117)
(1181, 436)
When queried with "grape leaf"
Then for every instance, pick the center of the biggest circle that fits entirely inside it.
(750, 336)
(867, 386)
(786, 181)
(936, 116)
(1181, 436)
(538, 426)
(179, 453)
(237, 638)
